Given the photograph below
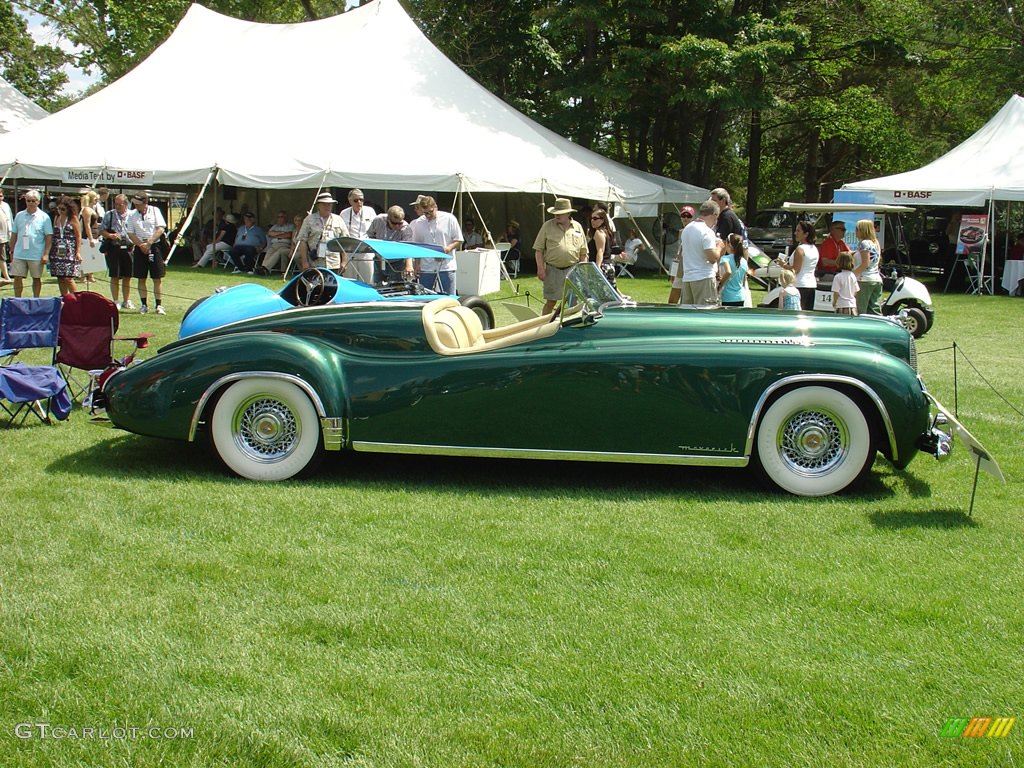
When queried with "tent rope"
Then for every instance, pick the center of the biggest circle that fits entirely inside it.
(192, 212)
(312, 207)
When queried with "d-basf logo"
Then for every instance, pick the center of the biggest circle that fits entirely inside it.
(911, 195)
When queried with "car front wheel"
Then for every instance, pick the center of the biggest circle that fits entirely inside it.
(265, 429)
(813, 441)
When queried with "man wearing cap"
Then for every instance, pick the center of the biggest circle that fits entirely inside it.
(701, 252)
(686, 215)
(227, 231)
(249, 242)
(439, 228)
(831, 247)
(318, 229)
(560, 244)
(145, 227)
(358, 218)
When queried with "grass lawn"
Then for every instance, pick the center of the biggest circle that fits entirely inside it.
(396, 611)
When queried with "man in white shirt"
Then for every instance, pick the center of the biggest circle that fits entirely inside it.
(146, 227)
(439, 228)
(701, 251)
(393, 226)
(473, 238)
(358, 218)
(6, 224)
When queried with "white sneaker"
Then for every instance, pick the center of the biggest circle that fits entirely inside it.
(160, 309)
(127, 304)
(143, 309)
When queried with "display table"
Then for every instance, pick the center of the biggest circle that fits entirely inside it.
(1013, 273)
(477, 272)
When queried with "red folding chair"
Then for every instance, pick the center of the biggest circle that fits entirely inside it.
(88, 324)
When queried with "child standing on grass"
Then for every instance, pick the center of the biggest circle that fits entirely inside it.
(789, 297)
(845, 286)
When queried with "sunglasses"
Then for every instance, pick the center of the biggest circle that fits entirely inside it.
(597, 218)
(394, 223)
(686, 215)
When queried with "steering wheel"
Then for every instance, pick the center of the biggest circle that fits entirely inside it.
(314, 287)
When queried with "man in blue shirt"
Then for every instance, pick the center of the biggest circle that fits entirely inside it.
(249, 242)
(30, 244)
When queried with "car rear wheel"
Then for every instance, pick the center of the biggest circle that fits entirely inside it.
(265, 429)
(813, 441)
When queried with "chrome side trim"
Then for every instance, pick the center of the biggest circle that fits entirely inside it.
(233, 377)
(333, 430)
(559, 455)
(822, 378)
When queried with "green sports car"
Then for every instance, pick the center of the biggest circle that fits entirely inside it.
(808, 399)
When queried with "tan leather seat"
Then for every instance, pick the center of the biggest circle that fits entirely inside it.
(459, 328)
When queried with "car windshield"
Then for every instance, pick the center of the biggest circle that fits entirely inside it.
(587, 288)
(773, 219)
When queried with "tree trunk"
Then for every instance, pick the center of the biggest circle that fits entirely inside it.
(754, 164)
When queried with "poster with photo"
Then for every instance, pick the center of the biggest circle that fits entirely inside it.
(973, 233)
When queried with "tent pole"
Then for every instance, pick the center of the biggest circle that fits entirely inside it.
(489, 238)
(7, 173)
(192, 212)
(295, 247)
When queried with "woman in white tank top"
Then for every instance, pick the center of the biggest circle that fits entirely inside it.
(802, 262)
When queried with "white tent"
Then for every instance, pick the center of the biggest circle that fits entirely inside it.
(420, 123)
(988, 166)
(16, 109)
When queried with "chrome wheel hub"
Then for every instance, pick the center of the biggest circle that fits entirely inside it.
(265, 429)
(812, 442)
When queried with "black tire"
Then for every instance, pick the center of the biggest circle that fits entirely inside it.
(265, 429)
(813, 441)
(916, 322)
(482, 308)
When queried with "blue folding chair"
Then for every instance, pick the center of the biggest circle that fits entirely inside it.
(31, 324)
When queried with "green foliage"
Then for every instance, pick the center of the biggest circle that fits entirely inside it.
(840, 89)
(35, 70)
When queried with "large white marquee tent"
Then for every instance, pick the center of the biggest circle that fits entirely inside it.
(416, 123)
(988, 166)
(16, 109)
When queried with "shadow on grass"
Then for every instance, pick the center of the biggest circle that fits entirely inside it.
(934, 518)
(125, 455)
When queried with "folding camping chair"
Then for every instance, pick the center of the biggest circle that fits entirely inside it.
(88, 326)
(31, 324)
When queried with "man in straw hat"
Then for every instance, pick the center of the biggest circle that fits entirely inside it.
(319, 228)
(560, 244)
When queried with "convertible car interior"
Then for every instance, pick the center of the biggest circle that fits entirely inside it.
(453, 329)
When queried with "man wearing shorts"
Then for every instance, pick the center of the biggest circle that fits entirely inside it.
(6, 223)
(560, 244)
(30, 244)
(701, 251)
(117, 249)
(145, 227)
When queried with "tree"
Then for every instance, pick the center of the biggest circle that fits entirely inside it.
(35, 70)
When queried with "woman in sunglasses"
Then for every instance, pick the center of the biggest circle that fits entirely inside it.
(599, 237)
(66, 246)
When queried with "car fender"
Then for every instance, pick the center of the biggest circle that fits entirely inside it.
(170, 395)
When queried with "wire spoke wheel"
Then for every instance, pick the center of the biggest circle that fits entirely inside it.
(265, 429)
(813, 441)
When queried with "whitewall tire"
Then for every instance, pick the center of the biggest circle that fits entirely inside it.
(265, 429)
(813, 441)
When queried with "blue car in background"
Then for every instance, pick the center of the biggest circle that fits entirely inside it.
(320, 286)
